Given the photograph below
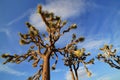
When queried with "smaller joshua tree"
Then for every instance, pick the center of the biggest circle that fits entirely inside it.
(73, 61)
(110, 57)
(75, 57)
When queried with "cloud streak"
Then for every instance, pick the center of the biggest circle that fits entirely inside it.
(58, 70)
(19, 18)
(6, 31)
(6, 69)
(104, 78)
(93, 44)
(81, 73)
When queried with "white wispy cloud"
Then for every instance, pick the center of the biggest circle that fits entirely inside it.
(19, 18)
(66, 8)
(81, 73)
(94, 44)
(63, 8)
(6, 69)
(58, 70)
(6, 31)
(104, 78)
(110, 75)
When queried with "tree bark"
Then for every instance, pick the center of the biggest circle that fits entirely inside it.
(46, 69)
(76, 74)
(72, 74)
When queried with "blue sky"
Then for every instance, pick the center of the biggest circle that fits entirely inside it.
(98, 21)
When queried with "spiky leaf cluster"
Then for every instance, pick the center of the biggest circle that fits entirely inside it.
(110, 57)
(30, 55)
(31, 36)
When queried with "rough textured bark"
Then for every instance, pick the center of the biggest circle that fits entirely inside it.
(46, 69)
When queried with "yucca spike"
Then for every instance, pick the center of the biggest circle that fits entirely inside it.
(39, 8)
(73, 26)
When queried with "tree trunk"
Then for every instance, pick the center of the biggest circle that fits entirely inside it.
(46, 69)
(76, 74)
(72, 74)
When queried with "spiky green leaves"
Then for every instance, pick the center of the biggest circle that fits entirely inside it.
(18, 59)
(39, 8)
(30, 36)
(91, 61)
(24, 36)
(109, 56)
(108, 50)
(32, 30)
(8, 57)
(53, 67)
(81, 39)
(4, 55)
(73, 36)
(35, 63)
(23, 42)
(64, 23)
(14, 58)
(89, 73)
(79, 53)
(73, 26)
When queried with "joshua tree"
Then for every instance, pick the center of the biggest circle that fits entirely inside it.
(43, 48)
(74, 57)
(73, 61)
